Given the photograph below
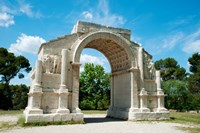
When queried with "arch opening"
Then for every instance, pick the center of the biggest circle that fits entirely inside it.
(116, 55)
(94, 90)
(120, 76)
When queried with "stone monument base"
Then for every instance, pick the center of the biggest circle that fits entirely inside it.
(137, 114)
(77, 117)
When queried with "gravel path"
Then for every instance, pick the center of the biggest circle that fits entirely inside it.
(100, 124)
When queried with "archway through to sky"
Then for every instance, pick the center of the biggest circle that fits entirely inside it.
(90, 55)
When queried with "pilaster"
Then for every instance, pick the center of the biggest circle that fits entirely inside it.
(75, 87)
(63, 91)
(160, 94)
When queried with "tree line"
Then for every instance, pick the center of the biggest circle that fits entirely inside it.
(182, 89)
(12, 96)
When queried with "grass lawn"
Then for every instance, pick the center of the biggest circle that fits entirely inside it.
(11, 112)
(192, 121)
(94, 111)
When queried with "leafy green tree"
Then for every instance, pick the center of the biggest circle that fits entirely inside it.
(178, 96)
(194, 79)
(19, 96)
(94, 87)
(170, 69)
(10, 66)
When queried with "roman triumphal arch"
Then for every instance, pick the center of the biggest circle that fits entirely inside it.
(136, 92)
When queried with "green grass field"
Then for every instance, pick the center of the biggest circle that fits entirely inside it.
(93, 111)
(192, 121)
(11, 112)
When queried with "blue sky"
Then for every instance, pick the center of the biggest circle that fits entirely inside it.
(165, 28)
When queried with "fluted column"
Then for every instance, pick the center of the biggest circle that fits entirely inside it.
(75, 86)
(143, 94)
(158, 81)
(38, 77)
(64, 69)
(141, 67)
(160, 94)
(112, 91)
(134, 89)
(63, 91)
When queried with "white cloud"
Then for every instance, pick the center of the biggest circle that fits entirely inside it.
(172, 40)
(6, 19)
(87, 15)
(7, 14)
(26, 8)
(192, 42)
(192, 47)
(85, 58)
(25, 43)
(102, 15)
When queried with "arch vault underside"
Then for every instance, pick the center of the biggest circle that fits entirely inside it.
(135, 85)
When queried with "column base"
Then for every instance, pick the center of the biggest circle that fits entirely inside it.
(33, 111)
(144, 110)
(162, 110)
(62, 111)
(76, 110)
(134, 110)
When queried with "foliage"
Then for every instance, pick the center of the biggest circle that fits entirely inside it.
(18, 97)
(178, 96)
(10, 66)
(195, 63)
(170, 69)
(194, 80)
(94, 87)
(178, 86)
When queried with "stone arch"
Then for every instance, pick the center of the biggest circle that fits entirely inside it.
(113, 46)
(135, 92)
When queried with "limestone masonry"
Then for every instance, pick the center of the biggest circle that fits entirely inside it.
(136, 92)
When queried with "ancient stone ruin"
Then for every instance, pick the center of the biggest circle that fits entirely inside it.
(136, 92)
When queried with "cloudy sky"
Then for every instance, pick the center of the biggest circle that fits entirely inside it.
(165, 28)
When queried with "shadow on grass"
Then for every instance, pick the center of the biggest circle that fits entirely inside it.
(101, 120)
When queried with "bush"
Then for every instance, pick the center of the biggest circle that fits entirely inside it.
(87, 105)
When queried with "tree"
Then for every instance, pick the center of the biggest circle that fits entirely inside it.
(19, 96)
(178, 96)
(94, 87)
(174, 84)
(10, 66)
(170, 69)
(194, 79)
